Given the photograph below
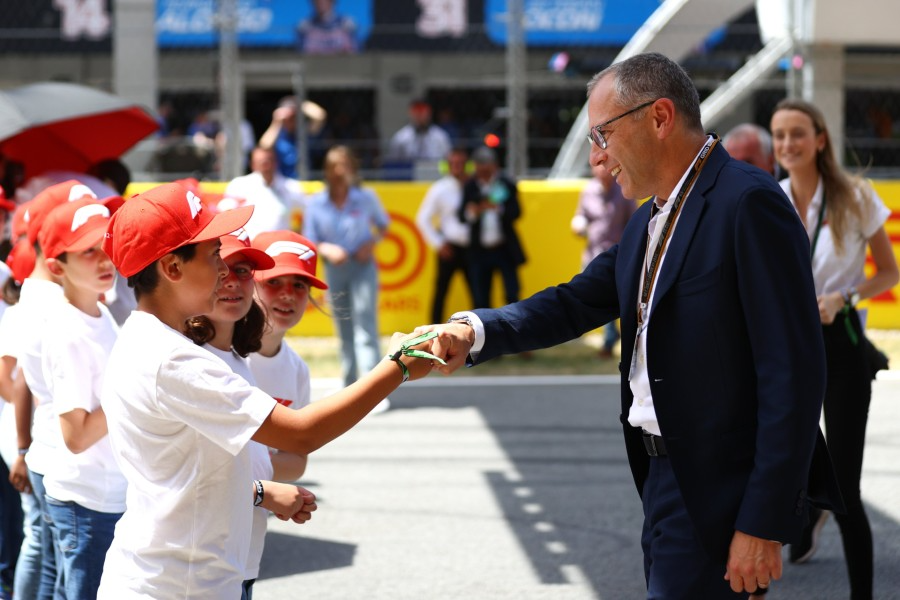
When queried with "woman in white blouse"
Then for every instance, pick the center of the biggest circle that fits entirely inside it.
(843, 217)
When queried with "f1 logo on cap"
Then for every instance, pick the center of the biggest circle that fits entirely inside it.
(84, 213)
(195, 204)
(79, 191)
(282, 247)
(242, 235)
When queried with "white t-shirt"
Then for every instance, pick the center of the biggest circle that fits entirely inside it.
(260, 467)
(832, 271)
(38, 300)
(273, 206)
(8, 438)
(76, 350)
(179, 421)
(285, 376)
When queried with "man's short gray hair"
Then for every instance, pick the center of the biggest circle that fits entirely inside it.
(648, 77)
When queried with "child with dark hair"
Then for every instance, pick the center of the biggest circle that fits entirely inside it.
(180, 420)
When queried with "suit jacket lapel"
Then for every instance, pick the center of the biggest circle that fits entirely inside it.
(634, 250)
(686, 225)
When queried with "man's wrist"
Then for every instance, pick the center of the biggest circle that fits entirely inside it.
(477, 327)
(23, 451)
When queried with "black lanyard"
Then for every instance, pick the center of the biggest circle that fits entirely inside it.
(653, 268)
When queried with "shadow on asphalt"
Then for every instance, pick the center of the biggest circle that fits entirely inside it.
(573, 506)
(286, 555)
(571, 502)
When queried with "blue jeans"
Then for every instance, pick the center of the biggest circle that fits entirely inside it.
(353, 294)
(84, 536)
(10, 530)
(28, 569)
(48, 548)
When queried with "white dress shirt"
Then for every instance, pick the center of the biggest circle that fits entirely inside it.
(442, 202)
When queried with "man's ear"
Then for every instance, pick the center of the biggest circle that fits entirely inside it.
(663, 117)
(170, 267)
(54, 266)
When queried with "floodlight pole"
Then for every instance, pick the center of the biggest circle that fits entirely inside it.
(516, 86)
(229, 89)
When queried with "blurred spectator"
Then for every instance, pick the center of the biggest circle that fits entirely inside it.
(491, 207)
(112, 172)
(326, 32)
(450, 237)
(601, 216)
(420, 139)
(278, 200)
(345, 221)
(281, 135)
(752, 144)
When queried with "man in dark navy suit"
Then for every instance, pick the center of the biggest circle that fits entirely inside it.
(723, 367)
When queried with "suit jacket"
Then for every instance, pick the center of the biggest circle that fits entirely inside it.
(512, 210)
(734, 350)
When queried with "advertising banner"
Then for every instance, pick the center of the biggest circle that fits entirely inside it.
(407, 266)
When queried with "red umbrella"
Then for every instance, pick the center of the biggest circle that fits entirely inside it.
(64, 126)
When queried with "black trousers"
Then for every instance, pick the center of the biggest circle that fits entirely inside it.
(847, 396)
(483, 262)
(445, 270)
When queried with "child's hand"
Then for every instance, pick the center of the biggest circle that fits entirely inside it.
(418, 358)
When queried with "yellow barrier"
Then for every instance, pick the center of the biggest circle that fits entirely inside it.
(407, 265)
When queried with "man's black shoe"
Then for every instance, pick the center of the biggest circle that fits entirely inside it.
(803, 551)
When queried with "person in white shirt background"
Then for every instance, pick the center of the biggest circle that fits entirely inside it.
(439, 224)
(278, 200)
(843, 217)
(420, 139)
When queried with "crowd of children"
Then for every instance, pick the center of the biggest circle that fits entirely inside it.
(150, 454)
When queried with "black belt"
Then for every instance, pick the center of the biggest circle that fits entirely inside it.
(654, 444)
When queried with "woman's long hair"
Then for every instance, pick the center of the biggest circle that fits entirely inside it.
(247, 336)
(841, 188)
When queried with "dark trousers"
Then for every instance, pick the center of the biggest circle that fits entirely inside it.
(482, 264)
(847, 396)
(445, 271)
(675, 564)
(11, 528)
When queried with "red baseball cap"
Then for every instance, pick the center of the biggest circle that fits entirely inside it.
(21, 260)
(239, 243)
(73, 227)
(160, 220)
(48, 199)
(293, 254)
(19, 226)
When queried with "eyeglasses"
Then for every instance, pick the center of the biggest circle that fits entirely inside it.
(242, 271)
(596, 135)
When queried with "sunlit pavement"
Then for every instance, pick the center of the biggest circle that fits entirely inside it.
(517, 488)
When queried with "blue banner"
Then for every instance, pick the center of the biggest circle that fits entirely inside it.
(273, 23)
(572, 22)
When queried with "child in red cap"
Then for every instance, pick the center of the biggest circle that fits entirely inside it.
(85, 490)
(180, 419)
(37, 424)
(231, 331)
